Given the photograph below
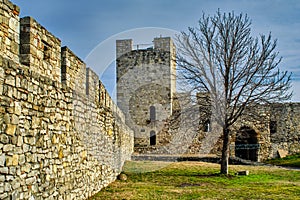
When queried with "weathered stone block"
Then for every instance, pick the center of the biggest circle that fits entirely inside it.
(30, 181)
(8, 148)
(122, 177)
(3, 170)
(2, 179)
(11, 129)
(10, 80)
(30, 140)
(18, 108)
(7, 187)
(4, 139)
(16, 184)
(244, 173)
(14, 119)
(15, 195)
(4, 195)
(9, 178)
(19, 141)
(282, 153)
(2, 160)
(26, 148)
(12, 160)
(15, 160)
(60, 153)
(31, 158)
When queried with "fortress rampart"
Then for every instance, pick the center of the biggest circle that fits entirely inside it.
(61, 135)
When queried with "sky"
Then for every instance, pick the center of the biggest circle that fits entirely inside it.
(89, 28)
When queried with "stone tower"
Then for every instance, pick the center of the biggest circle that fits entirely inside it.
(146, 83)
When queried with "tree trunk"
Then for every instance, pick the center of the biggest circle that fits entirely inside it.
(225, 152)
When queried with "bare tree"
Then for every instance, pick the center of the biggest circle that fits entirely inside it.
(222, 59)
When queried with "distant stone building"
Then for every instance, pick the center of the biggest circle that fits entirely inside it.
(146, 85)
(163, 121)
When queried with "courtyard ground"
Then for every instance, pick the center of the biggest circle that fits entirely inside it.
(200, 180)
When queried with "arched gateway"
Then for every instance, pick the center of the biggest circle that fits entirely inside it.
(246, 144)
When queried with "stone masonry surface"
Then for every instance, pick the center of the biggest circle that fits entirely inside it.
(61, 135)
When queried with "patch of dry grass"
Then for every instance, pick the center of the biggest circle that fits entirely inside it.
(199, 180)
(290, 161)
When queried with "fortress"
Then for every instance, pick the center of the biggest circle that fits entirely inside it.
(63, 137)
(166, 122)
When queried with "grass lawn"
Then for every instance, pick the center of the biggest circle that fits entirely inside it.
(290, 161)
(199, 180)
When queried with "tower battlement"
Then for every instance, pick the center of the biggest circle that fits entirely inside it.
(123, 47)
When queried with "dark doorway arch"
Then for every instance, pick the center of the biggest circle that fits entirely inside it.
(246, 144)
(152, 138)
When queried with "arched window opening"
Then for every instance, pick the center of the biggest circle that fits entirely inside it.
(152, 114)
(152, 138)
(46, 50)
(207, 127)
(273, 127)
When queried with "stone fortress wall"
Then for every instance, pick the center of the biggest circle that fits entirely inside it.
(61, 135)
(284, 128)
(166, 122)
(273, 132)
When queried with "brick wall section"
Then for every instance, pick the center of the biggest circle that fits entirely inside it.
(56, 141)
